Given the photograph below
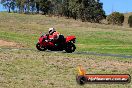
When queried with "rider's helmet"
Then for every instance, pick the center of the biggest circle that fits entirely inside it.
(51, 31)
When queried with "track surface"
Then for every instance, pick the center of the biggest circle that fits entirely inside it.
(85, 53)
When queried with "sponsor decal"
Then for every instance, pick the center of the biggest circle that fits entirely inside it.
(83, 78)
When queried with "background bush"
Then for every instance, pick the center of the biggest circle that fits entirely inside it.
(115, 18)
(130, 21)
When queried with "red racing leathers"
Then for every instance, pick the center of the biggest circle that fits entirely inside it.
(54, 36)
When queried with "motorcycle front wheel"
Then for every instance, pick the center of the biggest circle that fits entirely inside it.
(40, 48)
(70, 47)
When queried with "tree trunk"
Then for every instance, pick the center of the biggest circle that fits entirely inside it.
(9, 10)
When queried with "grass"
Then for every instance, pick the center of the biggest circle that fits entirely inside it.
(26, 29)
(28, 40)
(34, 69)
(23, 69)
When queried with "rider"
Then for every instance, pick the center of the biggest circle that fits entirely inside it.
(53, 34)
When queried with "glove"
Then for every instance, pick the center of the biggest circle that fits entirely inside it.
(47, 34)
(51, 40)
(46, 40)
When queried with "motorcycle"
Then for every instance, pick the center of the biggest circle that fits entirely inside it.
(60, 44)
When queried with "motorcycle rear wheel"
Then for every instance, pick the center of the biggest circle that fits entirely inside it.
(70, 47)
(40, 48)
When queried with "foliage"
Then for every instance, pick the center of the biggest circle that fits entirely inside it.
(92, 11)
(130, 21)
(115, 18)
(86, 10)
(9, 4)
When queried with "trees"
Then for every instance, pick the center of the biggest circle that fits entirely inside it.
(74, 9)
(37, 5)
(115, 18)
(92, 11)
(45, 6)
(9, 4)
(130, 21)
(86, 10)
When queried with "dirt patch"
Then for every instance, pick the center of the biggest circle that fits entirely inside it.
(7, 43)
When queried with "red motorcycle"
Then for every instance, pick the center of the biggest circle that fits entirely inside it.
(60, 44)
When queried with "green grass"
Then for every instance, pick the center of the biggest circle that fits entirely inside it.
(26, 29)
(24, 69)
(34, 69)
(28, 40)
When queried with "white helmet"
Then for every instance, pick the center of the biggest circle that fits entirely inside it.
(51, 30)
